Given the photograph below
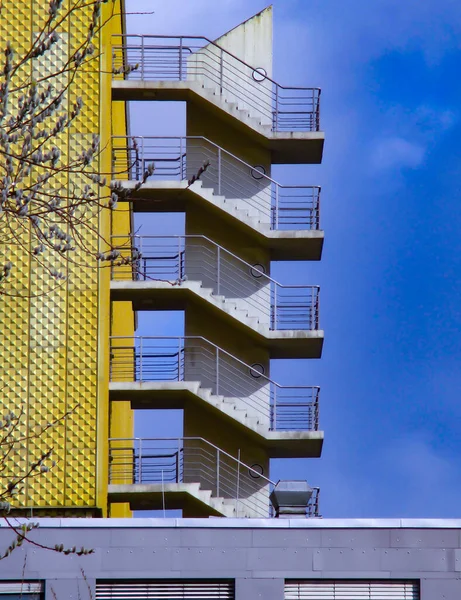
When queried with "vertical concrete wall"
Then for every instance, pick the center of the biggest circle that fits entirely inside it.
(235, 480)
(249, 393)
(229, 175)
(218, 68)
(229, 276)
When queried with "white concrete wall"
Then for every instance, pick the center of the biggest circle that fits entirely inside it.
(227, 377)
(232, 178)
(251, 42)
(228, 276)
(201, 464)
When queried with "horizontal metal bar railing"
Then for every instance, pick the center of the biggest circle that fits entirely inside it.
(198, 258)
(196, 359)
(179, 158)
(198, 59)
(194, 460)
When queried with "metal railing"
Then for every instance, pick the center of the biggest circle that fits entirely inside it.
(197, 258)
(195, 460)
(192, 58)
(178, 158)
(195, 359)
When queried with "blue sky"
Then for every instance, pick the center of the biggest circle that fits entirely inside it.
(391, 271)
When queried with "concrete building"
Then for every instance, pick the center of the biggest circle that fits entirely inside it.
(237, 317)
(245, 559)
(77, 345)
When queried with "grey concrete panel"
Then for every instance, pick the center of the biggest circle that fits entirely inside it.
(130, 560)
(264, 589)
(240, 538)
(148, 537)
(335, 575)
(73, 588)
(347, 559)
(286, 538)
(355, 538)
(49, 562)
(416, 559)
(147, 575)
(457, 560)
(288, 559)
(77, 537)
(424, 538)
(432, 589)
(207, 560)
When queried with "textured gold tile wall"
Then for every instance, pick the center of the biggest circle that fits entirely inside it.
(49, 333)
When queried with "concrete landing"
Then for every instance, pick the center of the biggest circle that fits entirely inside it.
(163, 295)
(168, 395)
(176, 196)
(296, 147)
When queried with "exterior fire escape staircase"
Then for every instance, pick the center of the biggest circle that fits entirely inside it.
(224, 388)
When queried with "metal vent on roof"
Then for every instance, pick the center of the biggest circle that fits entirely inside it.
(165, 590)
(351, 590)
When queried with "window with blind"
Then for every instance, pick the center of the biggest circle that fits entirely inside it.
(165, 590)
(14, 590)
(351, 590)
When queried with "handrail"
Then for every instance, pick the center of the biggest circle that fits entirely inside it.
(197, 461)
(220, 48)
(198, 258)
(247, 186)
(212, 242)
(283, 108)
(203, 339)
(199, 439)
(208, 141)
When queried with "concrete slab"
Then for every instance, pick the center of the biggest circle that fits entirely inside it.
(175, 196)
(286, 147)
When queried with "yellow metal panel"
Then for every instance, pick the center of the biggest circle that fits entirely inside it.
(122, 316)
(51, 335)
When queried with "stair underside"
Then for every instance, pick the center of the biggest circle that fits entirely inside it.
(161, 295)
(174, 196)
(171, 496)
(286, 147)
(175, 395)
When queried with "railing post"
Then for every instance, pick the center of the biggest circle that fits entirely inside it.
(219, 170)
(276, 206)
(181, 167)
(274, 411)
(179, 259)
(217, 471)
(221, 72)
(276, 118)
(179, 359)
(178, 462)
(217, 370)
(274, 316)
(140, 358)
(313, 318)
(238, 483)
(218, 271)
(180, 58)
(142, 157)
(140, 461)
(142, 58)
(314, 112)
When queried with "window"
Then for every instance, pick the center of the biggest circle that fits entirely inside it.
(16, 590)
(351, 590)
(165, 590)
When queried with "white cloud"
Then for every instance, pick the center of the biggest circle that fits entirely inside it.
(397, 153)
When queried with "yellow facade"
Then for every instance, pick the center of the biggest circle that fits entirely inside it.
(54, 336)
